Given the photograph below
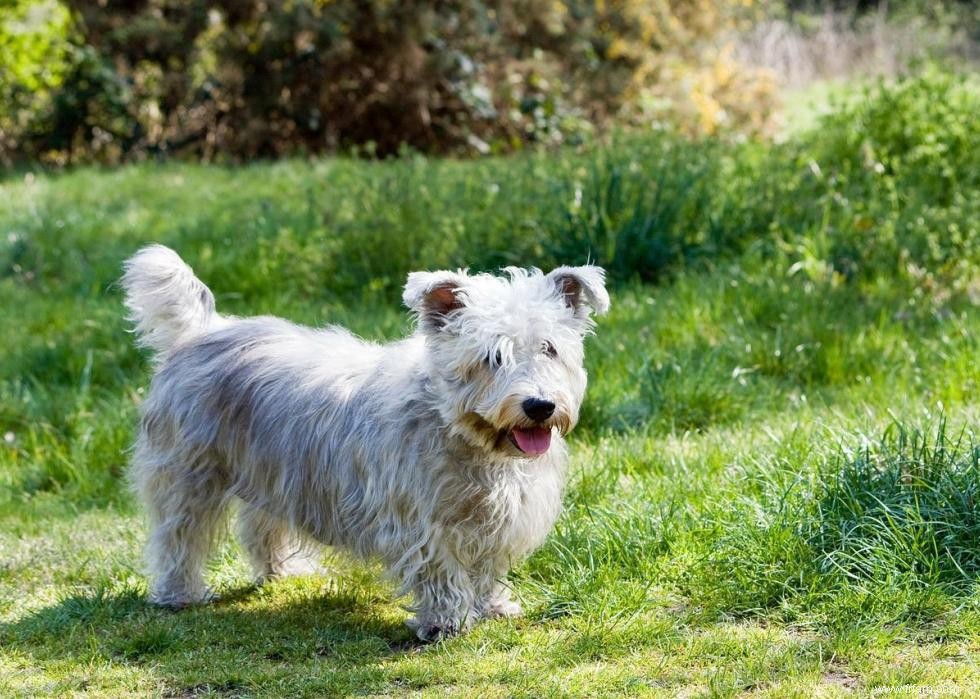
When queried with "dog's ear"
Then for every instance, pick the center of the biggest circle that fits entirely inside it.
(581, 288)
(432, 296)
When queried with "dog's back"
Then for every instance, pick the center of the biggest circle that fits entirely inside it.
(260, 408)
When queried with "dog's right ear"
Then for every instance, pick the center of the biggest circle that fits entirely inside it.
(433, 296)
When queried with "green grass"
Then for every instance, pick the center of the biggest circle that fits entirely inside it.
(774, 484)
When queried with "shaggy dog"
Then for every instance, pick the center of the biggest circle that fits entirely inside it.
(441, 454)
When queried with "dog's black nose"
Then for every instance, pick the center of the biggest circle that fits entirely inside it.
(537, 409)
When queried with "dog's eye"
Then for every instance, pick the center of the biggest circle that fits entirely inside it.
(494, 359)
(549, 349)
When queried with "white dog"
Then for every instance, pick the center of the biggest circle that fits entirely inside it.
(441, 454)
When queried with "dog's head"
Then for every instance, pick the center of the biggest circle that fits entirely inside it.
(505, 353)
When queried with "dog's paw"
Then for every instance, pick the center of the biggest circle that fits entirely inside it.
(497, 608)
(176, 601)
(433, 632)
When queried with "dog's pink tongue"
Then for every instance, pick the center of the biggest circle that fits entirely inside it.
(534, 440)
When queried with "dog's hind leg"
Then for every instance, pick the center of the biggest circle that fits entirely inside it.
(272, 546)
(186, 503)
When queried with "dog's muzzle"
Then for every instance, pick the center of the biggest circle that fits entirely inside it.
(535, 439)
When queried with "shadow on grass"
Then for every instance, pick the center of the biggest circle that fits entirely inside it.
(250, 637)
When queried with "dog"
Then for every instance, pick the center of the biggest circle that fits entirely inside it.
(441, 454)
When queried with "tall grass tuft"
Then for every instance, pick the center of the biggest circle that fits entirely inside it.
(885, 522)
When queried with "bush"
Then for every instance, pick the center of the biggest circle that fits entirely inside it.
(35, 56)
(898, 171)
(252, 79)
(818, 207)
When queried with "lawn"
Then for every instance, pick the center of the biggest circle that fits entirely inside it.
(775, 485)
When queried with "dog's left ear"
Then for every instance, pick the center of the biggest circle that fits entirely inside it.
(433, 296)
(582, 288)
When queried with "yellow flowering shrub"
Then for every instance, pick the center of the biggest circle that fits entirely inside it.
(245, 79)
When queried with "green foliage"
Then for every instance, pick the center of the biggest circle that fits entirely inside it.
(31, 37)
(930, 152)
(35, 56)
(246, 79)
(872, 519)
(843, 204)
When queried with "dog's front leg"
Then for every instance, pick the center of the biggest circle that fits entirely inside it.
(444, 600)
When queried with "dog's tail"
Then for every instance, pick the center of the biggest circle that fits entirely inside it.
(166, 301)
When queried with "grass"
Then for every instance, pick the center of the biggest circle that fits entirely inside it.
(774, 484)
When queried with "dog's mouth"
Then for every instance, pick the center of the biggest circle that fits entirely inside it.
(532, 441)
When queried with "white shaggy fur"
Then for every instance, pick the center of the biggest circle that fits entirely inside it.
(425, 453)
